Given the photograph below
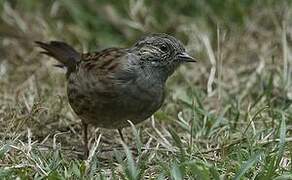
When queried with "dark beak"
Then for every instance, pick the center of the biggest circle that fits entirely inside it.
(184, 57)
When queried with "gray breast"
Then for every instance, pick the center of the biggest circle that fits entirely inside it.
(142, 100)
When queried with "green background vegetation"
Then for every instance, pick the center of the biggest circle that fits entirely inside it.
(226, 117)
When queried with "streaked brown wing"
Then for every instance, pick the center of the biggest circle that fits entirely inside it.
(104, 61)
(100, 73)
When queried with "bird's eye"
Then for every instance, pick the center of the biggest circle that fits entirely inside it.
(163, 48)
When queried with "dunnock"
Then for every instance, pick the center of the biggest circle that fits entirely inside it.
(109, 87)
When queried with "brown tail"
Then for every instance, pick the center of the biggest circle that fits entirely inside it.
(62, 52)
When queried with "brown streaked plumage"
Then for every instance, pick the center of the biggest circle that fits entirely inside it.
(107, 88)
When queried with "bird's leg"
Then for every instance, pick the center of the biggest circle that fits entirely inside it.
(121, 134)
(85, 139)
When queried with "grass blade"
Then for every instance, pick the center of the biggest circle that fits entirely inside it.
(247, 165)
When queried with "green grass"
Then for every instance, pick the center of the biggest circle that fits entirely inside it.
(228, 116)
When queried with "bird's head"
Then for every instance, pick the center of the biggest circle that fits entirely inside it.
(162, 52)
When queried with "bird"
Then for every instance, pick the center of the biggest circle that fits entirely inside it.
(109, 87)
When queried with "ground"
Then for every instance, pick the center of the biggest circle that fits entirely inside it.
(226, 117)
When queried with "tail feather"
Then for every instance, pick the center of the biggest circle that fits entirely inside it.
(62, 52)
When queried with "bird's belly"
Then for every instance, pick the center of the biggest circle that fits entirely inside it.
(114, 111)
